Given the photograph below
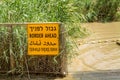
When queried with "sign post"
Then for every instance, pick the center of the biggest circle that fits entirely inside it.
(43, 38)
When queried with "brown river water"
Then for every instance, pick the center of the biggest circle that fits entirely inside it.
(98, 54)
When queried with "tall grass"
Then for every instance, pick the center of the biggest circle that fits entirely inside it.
(60, 11)
(106, 10)
(85, 8)
(98, 10)
(36, 11)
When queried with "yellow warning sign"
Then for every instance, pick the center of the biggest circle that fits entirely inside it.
(43, 39)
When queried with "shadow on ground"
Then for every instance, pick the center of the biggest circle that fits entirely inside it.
(26, 77)
(98, 75)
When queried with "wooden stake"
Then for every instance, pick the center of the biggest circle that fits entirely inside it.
(12, 60)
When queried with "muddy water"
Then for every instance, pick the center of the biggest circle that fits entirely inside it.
(104, 31)
(97, 53)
